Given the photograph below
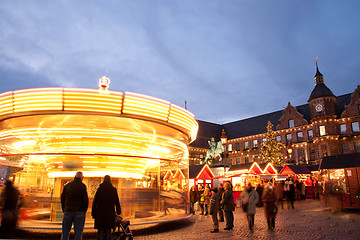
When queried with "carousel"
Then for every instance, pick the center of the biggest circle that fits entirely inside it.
(47, 134)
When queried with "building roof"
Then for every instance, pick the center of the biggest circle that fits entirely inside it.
(254, 125)
(320, 90)
(341, 161)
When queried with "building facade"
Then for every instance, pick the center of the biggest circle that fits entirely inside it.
(328, 125)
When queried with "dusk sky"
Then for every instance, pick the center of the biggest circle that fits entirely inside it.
(229, 59)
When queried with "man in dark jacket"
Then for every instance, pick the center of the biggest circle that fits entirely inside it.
(193, 199)
(74, 203)
(221, 192)
(103, 208)
(228, 205)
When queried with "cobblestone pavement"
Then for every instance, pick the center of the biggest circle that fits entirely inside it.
(307, 221)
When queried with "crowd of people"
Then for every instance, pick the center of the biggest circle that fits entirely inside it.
(74, 204)
(219, 201)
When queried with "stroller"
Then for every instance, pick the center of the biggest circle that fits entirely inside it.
(121, 230)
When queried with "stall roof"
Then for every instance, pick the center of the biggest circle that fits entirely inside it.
(340, 161)
(197, 170)
(313, 168)
(295, 169)
(243, 166)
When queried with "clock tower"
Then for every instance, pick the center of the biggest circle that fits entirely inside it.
(322, 101)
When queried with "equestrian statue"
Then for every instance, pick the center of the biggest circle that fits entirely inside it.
(215, 150)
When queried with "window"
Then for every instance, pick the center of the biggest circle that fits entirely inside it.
(256, 158)
(246, 145)
(246, 159)
(345, 148)
(301, 155)
(288, 137)
(343, 129)
(357, 146)
(312, 154)
(291, 123)
(255, 143)
(264, 141)
(238, 160)
(322, 131)
(300, 136)
(237, 146)
(355, 127)
(310, 134)
(229, 147)
(278, 138)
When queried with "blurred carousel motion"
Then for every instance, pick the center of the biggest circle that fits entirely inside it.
(47, 134)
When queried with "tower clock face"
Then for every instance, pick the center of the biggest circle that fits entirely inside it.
(319, 107)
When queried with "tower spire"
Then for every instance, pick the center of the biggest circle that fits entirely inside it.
(319, 78)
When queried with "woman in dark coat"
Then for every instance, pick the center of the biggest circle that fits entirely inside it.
(103, 211)
(10, 199)
(269, 200)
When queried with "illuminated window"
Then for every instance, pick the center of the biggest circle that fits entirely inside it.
(278, 138)
(310, 134)
(322, 131)
(300, 136)
(264, 141)
(255, 143)
(291, 123)
(288, 137)
(355, 127)
(230, 147)
(343, 129)
(246, 145)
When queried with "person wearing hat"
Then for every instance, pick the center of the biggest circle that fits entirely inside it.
(214, 208)
(103, 208)
(74, 203)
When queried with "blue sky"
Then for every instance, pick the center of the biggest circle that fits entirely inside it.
(229, 59)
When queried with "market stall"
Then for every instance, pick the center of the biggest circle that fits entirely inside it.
(341, 176)
(253, 173)
(300, 173)
(200, 175)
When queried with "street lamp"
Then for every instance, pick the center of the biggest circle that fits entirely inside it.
(224, 154)
(289, 151)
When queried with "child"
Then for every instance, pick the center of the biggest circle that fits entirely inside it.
(214, 208)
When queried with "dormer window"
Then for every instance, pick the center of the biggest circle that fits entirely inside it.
(291, 123)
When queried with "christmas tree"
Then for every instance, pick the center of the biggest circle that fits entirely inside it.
(271, 149)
